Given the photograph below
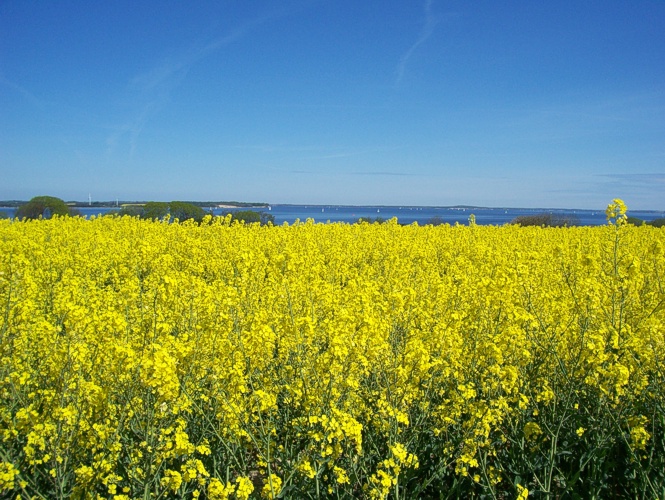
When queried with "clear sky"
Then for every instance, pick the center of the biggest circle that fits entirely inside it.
(519, 103)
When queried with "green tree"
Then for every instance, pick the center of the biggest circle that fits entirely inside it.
(184, 211)
(132, 210)
(246, 216)
(250, 216)
(155, 210)
(369, 220)
(437, 220)
(159, 209)
(546, 220)
(42, 206)
(267, 218)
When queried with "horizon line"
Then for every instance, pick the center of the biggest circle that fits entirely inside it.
(243, 204)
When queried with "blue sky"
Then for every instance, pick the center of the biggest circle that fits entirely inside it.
(520, 103)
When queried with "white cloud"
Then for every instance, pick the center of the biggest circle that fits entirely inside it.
(425, 32)
(153, 87)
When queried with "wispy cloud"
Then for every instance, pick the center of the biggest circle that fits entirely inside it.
(641, 191)
(172, 71)
(348, 153)
(29, 96)
(153, 88)
(330, 173)
(314, 152)
(637, 179)
(131, 129)
(279, 148)
(388, 174)
(425, 32)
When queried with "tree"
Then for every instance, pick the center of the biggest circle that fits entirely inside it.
(369, 220)
(250, 216)
(42, 206)
(155, 210)
(546, 220)
(246, 216)
(267, 218)
(132, 210)
(437, 220)
(184, 211)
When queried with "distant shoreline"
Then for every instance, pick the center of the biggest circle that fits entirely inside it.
(121, 203)
(263, 205)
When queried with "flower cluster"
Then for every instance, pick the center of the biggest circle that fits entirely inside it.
(227, 361)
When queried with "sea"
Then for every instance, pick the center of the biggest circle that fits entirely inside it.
(284, 213)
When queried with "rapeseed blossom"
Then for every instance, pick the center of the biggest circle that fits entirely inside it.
(372, 360)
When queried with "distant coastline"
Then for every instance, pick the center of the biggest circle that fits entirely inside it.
(266, 205)
(123, 203)
(286, 213)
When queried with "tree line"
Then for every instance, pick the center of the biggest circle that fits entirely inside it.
(46, 207)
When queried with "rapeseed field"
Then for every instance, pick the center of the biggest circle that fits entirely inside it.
(151, 359)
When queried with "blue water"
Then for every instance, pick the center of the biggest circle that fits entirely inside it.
(423, 215)
(405, 214)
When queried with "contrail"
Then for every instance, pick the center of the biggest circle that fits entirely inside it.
(21, 90)
(425, 32)
(157, 83)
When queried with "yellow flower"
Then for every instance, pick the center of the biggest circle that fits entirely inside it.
(136, 351)
(616, 212)
(244, 488)
(272, 486)
(218, 490)
(522, 492)
(8, 474)
(341, 475)
(639, 436)
(532, 430)
(171, 480)
(306, 469)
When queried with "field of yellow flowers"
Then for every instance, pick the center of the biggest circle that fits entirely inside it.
(143, 359)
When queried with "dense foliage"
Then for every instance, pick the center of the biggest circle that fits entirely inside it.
(42, 206)
(251, 216)
(145, 359)
(157, 210)
(546, 219)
